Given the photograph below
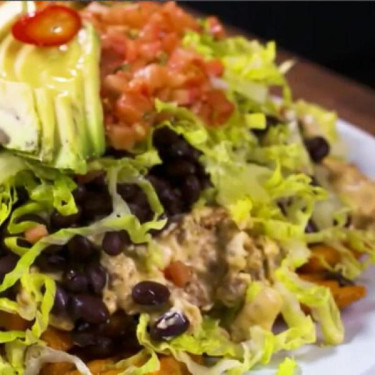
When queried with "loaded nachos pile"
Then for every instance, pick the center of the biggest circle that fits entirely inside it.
(161, 212)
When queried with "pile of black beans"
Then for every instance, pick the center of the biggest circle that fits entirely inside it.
(178, 181)
(114, 336)
(181, 178)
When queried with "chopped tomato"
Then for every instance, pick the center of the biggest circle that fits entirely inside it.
(222, 108)
(143, 58)
(215, 27)
(179, 273)
(132, 106)
(214, 68)
(53, 25)
(36, 233)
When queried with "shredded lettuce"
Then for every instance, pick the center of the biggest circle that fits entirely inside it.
(6, 368)
(143, 363)
(320, 301)
(249, 66)
(287, 367)
(38, 292)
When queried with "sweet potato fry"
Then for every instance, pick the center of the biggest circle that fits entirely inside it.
(57, 369)
(315, 265)
(57, 339)
(168, 365)
(13, 322)
(98, 367)
(343, 295)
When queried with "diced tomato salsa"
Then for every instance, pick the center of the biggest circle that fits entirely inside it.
(143, 59)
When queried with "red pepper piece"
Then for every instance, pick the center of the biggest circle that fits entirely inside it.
(51, 26)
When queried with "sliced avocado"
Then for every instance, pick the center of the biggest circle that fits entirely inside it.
(69, 156)
(45, 105)
(55, 99)
(90, 43)
(77, 94)
(20, 127)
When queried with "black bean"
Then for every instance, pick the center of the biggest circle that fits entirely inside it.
(117, 154)
(171, 324)
(271, 121)
(163, 137)
(79, 193)
(314, 181)
(80, 248)
(150, 293)
(23, 243)
(141, 198)
(22, 195)
(53, 249)
(179, 149)
(103, 347)
(96, 204)
(89, 308)
(169, 197)
(97, 277)
(31, 217)
(191, 189)
(127, 191)
(75, 281)
(59, 221)
(311, 227)
(7, 264)
(317, 147)
(119, 324)
(98, 183)
(179, 168)
(51, 262)
(83, 339)
(61, 301)
(115, 242)
(143, 213)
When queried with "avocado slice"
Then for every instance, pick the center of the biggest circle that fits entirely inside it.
(20, 126)
(90, 42)
(54, 94)
(45, 107)
(69, 156)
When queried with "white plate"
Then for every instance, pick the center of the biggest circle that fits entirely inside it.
(356, 356)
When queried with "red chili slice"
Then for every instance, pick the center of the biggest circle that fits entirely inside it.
(52, 26)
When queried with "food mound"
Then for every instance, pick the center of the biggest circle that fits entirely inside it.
(161, 211)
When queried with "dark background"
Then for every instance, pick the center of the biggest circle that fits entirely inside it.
(338, 35)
